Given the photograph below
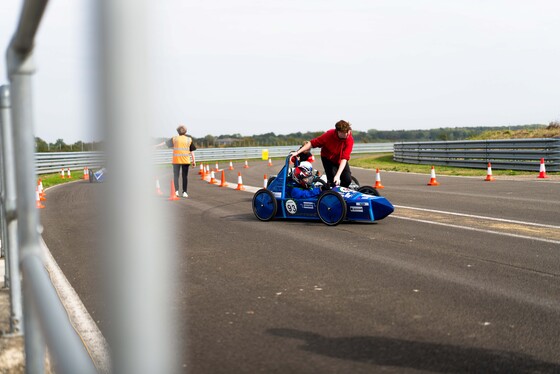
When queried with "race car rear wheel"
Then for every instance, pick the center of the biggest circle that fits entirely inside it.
(270, 180)
(331, 208)
(264, 205)
(369, 190)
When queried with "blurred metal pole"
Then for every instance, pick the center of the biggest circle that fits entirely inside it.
(44, 315)
(20, 68)
(9, 208)
(136, 249)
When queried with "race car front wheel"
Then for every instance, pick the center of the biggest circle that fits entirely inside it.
(264, 204)
(331, 208)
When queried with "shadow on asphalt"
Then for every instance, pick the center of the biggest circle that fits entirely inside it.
(417, 355)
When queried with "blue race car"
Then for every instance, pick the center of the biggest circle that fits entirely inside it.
(332, 206)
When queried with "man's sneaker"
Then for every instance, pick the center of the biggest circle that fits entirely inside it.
(185, 194)
(176, 193)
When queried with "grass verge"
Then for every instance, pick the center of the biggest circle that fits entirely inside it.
(384, 161)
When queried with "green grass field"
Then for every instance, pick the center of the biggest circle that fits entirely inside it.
(385, 162)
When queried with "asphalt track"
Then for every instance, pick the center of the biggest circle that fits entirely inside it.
(463, 277)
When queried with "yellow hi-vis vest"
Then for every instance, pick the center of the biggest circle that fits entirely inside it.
(181, 149)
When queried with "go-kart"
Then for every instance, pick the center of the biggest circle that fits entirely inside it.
(332, 206)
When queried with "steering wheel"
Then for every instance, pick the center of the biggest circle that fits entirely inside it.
(324, 185)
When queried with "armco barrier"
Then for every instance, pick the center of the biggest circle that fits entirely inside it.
(514, 154)
(518, 154)
(243, 153)
(52, 162)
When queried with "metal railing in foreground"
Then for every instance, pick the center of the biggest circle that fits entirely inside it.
(511, 154)
(45, 322)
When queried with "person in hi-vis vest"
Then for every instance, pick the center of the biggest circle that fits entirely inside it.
(183, 157)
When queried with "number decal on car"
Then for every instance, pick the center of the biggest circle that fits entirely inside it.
(291, 207)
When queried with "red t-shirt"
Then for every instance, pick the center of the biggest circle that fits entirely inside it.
(332, 147)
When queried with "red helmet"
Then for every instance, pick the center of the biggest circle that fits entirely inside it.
(303, 174)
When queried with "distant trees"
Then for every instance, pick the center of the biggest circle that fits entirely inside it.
(61, 146)
(270, 139)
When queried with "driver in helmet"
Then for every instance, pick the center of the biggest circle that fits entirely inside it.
(302, 182)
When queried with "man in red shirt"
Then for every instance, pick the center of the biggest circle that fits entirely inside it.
(336, 145)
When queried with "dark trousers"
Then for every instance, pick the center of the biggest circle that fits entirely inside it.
(331, 169)
(184, 168)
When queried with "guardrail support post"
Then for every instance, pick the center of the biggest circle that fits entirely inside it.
(9, 222)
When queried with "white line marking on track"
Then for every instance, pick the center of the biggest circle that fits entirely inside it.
(476, 216)
(83, 324)
(476, 229)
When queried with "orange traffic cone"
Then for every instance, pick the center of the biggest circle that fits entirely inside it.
(378, 180)
(86, 174)
(62, 173)
(158, 188)
(212, 178)
(217, 168)
(265, 182)
(201, 170)
(269, 162)
(42, 194)
(542, 170)
(69, 175)
(230, 166)
(489, 177)
(240, 182)
(172, 194)
(246, 165)
(433, 181)
(38, 200)
(223, 182)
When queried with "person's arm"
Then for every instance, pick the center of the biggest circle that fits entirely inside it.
(341, 167)
(300, 193)
(168, 143)
(305, 147)
(192, 148)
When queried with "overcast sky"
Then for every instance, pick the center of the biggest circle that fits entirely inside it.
(282, 66)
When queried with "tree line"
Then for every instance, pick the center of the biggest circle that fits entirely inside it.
(272, 139)
(369, 136)
(61, 146)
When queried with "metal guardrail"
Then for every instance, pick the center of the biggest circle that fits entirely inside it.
(53, 162)
(514, 154)
(518, 154)
(243, 153)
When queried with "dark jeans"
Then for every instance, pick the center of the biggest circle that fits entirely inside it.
(185, 171)
(331, 169)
